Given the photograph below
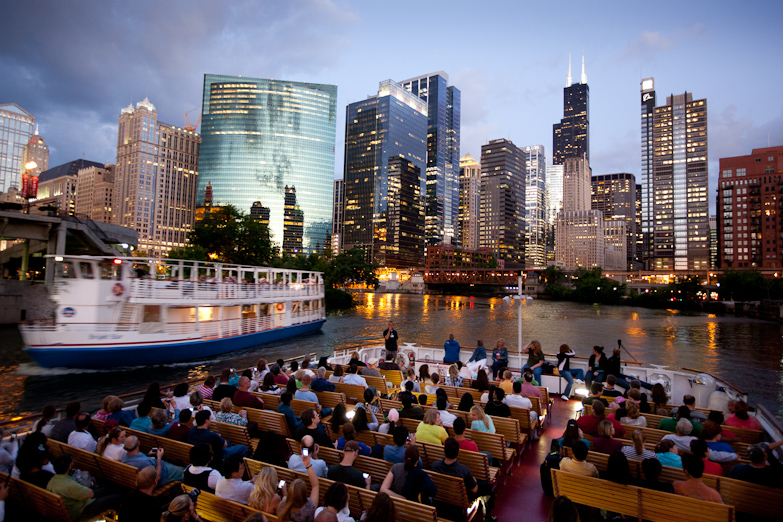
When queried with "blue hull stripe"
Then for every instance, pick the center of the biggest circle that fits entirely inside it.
(150, 355)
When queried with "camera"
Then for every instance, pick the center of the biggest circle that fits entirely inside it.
(193, 494)
(305, 452)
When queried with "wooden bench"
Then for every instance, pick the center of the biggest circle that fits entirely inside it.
(237, 435)
(509, 429)
(353, 392)
(522, 415)
(26, 498)
(478, 463)
(379, 383)
(271, 401)
(359, 499)
(269, 420)
(174, 451)
(394, 377)
(212, 508)
(645, 504)
(329, 399)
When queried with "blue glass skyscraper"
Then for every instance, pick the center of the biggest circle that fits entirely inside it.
(378, 131)
(443, 137)
(261, 137)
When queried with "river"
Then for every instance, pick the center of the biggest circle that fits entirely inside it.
(745, 352)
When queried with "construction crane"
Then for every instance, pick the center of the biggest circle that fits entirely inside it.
(192, 128)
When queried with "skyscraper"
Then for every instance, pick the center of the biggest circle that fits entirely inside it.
(155, 179)
(16, 129)
(404, 243)
(535, 205)
(674, 192)
(95, 193)
(257, 211)
(37, 151)
(576, 184)
(502, 222)
(57, 186)
(571, 137)
(338, 214)
(293, 225)
(554, 195)
(469, 202)
(393, 123)
(443, 142)
(749, 228)
(615, 196)
(259, 136)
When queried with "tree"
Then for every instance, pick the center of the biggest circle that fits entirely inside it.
(741, 285)
(228, 235)
(192, 252)
(350, 267)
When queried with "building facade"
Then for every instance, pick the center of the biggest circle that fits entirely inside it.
(95, 192)
(469, 202)
(391, 124)
(36, 150)
(155, 179)
(750, 206)
(261, 135)
(579, 239)
(571, 137)
(403, 222)
(443, 145)
(338, 214)
(554, 197)
(293, 224)
(259, 212)
(615, 244)
(57, 186)
(16, 129)
(615, 196)
(449, 256)
(535, 205)
(502, 221)
(674, 193)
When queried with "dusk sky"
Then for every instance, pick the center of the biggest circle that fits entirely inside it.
(75, 64)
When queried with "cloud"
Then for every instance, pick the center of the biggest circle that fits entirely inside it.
(649, 44)
(87, 60)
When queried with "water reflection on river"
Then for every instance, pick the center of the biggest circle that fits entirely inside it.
(745, 352)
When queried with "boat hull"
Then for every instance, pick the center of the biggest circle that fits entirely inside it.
(112, 355)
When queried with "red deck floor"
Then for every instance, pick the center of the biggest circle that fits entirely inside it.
(520, 497)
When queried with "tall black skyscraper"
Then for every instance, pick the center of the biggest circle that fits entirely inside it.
(571, 137)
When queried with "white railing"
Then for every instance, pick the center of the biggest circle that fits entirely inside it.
(145, 289)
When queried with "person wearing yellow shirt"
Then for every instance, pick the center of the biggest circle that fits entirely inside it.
(507, 384)
(431, 428)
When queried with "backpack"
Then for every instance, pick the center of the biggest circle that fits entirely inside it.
(552, 461)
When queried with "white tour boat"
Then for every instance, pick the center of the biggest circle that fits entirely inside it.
(127, 311)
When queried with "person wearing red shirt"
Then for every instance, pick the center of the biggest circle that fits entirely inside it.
(459, 435)
(701, 450)
(589, 423)
(245, 399)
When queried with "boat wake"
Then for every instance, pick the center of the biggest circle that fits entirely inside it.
(33, 370)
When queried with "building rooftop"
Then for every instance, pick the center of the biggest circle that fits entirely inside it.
(68, 169)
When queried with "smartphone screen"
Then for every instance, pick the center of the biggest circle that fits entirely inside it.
(305, 452)
(281, 484)
(366, 475)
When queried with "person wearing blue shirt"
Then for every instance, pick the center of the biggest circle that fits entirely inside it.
(499, 358)
(452, 350)
(479, 358)
(285, 409)
(134, 457)
(396, 454)
(349, 433)
(320, 383)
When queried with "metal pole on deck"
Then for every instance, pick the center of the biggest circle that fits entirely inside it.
(519, 331)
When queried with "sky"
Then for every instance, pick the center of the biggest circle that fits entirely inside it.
(75, 64)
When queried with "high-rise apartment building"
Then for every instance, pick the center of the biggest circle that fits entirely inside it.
(37, 151)
(469, 202)
(261, 135)
(579, 239)
(403, 245)
(615, 196)
(750, 206)
(554, 196)
(615, 244)
(443, 142)
(674, 190)
(293, 224)
(639, 236)
(571, 137)
(338, 214)
(155, 179)
(502, 221)
(535, 205)
(95, 192)
(16, 129)
(392, 123)
(577, 189)
(259, 212)
(713, 242)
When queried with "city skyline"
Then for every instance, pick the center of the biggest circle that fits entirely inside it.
(323, 42)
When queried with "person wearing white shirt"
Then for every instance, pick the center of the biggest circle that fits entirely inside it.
(353, 378)
(231, 486)
(198, 470)
(517, 400)
(446, 418)
(113, 445)
(682, 439)
(80, 437)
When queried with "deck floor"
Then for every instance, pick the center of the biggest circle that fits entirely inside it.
(520, 497)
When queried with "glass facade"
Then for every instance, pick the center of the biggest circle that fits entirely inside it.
(391, 124)
(16, 129)
(443, 143)
(535, 205)
(262, 139)
(615, 196)
(648, 105)
(571, 137)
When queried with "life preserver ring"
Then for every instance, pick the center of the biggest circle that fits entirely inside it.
(279, 307)
(118, 289)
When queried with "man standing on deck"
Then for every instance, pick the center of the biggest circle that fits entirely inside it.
(390, 337)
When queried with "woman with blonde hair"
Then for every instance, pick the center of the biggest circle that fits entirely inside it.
(112, 446)
(296, 505)
(633, 415)
(431, 428)
(480, 420)
(180, 509)
(264, 496)
(227, 415)
(637, 451)
(453, 378)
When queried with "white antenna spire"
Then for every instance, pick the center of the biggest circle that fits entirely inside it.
(568, 81)
(584, 76)
(36, 129)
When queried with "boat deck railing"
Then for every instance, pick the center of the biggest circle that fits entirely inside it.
(213, 329)
(141, 290)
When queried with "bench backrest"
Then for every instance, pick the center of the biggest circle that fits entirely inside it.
(353, 392)
(174, 451)
(211, 507)
(394, 377)
(231, 432)
(646, 504)
(271, 401)
(329, 399)
(30, 498)
(269, 420)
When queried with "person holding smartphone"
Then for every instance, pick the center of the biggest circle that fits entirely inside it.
(296, 461)
(345, 472)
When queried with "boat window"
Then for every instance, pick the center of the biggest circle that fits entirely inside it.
(263, 309)
(151, 314)
(65, 270)
(110, 271)
(85, 268)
